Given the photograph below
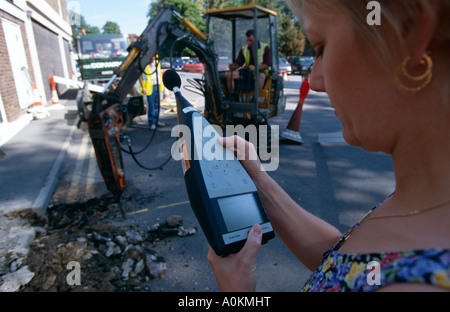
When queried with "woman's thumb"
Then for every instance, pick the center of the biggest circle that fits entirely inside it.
(251, 247)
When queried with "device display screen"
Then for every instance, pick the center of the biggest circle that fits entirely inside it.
(240, 211)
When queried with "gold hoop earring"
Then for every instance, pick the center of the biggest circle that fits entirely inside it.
(426, 76)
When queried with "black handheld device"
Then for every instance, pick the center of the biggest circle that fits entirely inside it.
(223, 197)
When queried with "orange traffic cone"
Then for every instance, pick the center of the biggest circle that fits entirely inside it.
(285, 76)
(37, 97)
(55, 99)
(293, 129)
(38, 111)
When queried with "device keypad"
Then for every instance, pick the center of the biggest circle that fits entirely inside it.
(226, 176)
(223, 175)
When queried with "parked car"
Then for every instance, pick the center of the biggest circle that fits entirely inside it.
(302, 64)
(177, 63)
(194, 66)
(284, 65)
(165, 63)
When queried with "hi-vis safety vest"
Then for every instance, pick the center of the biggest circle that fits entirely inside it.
(148, 80)
(246, 53)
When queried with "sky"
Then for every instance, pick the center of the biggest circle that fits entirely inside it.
(131, 15)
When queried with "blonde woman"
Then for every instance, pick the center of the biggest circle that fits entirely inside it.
(394, 99)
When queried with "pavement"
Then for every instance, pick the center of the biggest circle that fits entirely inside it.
(30, 165)
(33, 158)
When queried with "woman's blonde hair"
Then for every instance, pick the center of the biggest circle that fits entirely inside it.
(397, 18)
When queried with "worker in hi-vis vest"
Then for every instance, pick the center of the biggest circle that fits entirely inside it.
(149, 83)
(246, 57)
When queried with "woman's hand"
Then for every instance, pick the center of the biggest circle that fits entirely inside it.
(246, 153)
(237, 272)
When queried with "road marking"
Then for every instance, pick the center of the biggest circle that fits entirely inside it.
(172, 205)
(76, 175)
(159, 207)
(136, 212)
(91, 174)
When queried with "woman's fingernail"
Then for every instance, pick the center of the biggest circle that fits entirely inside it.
(257, 229)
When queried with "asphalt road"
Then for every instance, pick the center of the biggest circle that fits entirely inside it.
(333, 180)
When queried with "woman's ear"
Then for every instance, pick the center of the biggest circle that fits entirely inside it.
(424, 32)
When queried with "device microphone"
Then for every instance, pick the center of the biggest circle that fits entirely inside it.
(222, 195)
(172, 80)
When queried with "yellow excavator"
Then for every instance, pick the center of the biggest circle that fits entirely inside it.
(224, 38)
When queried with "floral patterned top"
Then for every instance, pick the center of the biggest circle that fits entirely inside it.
(369, 272)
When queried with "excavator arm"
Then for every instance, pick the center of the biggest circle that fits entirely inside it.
(106, 120)
(159, 30)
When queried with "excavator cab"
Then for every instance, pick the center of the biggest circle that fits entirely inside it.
(227, 28)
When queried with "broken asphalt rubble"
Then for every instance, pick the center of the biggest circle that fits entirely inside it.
(112, 257)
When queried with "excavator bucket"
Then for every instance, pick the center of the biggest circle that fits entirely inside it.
(104, 129)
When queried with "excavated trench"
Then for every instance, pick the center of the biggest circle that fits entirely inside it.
(87, 247)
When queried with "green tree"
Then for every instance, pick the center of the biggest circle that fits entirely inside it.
(111, 28)
(220, 4)
(193, 10)
(291, 40)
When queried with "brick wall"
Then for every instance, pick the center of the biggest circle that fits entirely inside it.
(53, 4)
(48, 54)
(57, 4)
(64, 10)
